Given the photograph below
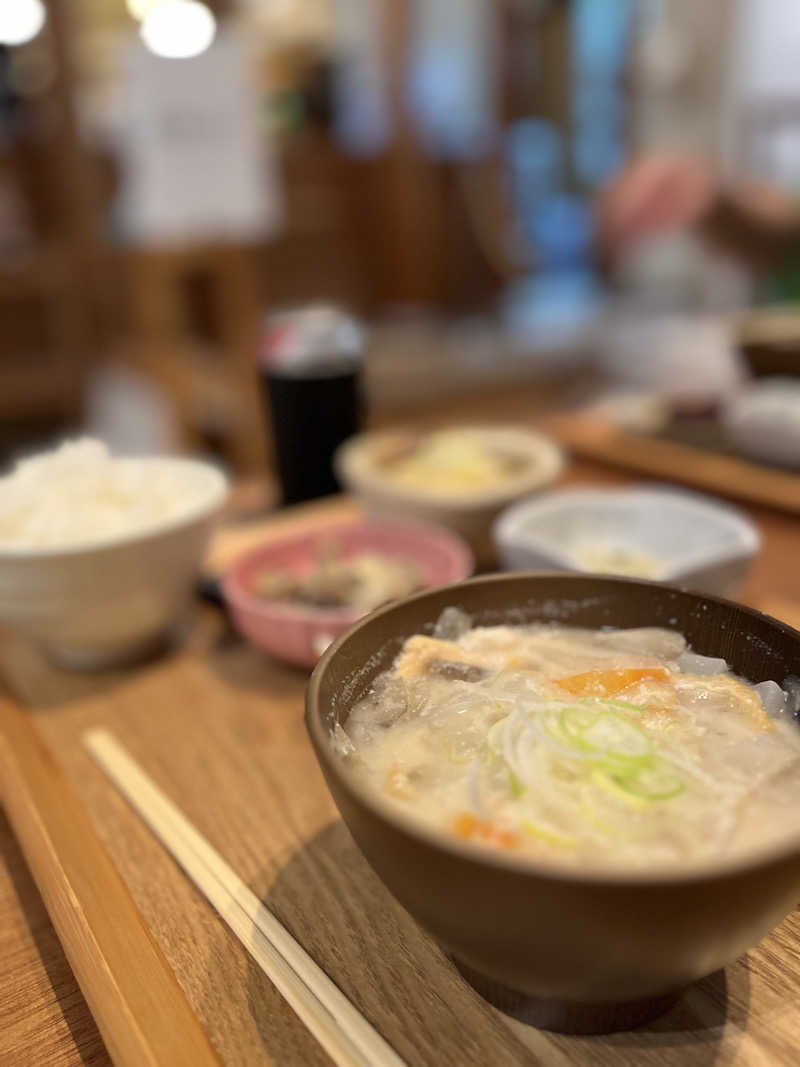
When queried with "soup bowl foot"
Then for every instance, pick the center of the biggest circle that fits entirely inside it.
(567, 1016)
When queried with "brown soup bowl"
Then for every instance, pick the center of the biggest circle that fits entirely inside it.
(598, 949)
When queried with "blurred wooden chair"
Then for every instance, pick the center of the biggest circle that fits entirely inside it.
(195, 315)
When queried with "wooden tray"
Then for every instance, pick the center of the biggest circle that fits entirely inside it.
(220, 728)
(669, 460)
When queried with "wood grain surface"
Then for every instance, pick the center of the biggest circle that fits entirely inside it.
(140, 1009)
(219, 727)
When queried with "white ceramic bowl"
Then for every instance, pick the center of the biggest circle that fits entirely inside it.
(693, 541)
(763, 421)
(360, 464)
(101, 604)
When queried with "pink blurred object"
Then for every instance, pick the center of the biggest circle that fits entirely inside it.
(300, 634)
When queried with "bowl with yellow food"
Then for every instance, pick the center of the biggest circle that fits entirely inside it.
(461, 476)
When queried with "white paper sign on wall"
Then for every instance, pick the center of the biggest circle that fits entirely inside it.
(197, 166)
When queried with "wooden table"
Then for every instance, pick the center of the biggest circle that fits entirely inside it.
(220, 728)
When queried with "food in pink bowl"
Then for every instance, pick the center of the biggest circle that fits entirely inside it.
(292, 597)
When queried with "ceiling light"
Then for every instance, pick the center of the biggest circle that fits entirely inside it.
(21, 20)
(179, 29)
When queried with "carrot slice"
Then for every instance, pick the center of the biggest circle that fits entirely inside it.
(608, 683)
(471, 828)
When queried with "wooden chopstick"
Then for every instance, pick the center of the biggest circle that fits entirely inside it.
(141, 1011)
(347, 1037)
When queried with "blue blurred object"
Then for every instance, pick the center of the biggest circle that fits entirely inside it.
(600, 38)
(535, 160)
(597, 155)
(446, 107)
(362, 115)
(599, 103)
(535, 155)
(452, 80)
(553, 310)
(562, 230)
(600, 30)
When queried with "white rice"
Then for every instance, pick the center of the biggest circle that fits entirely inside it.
(79, 495)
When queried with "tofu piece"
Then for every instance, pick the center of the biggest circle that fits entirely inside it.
(420, 652)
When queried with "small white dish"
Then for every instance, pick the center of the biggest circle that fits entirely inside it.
(763, 421)
(664, 534)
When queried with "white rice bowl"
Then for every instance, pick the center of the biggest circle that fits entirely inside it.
(99, 555)
(80, 495)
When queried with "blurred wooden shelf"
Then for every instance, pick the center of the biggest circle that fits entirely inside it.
(38, 269)
(38, 385)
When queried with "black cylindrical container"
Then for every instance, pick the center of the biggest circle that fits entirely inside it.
(311, 374)
(311, 415)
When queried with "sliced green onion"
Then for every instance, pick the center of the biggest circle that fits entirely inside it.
(543, 833)
(605, 827)
(608, 783)
(574, 720)
(616, 736)
(642, 786)
(554, 729)
(653, 781)
(515, 785)
(573, 745)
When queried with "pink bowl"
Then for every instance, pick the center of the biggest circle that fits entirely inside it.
(299, 634)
